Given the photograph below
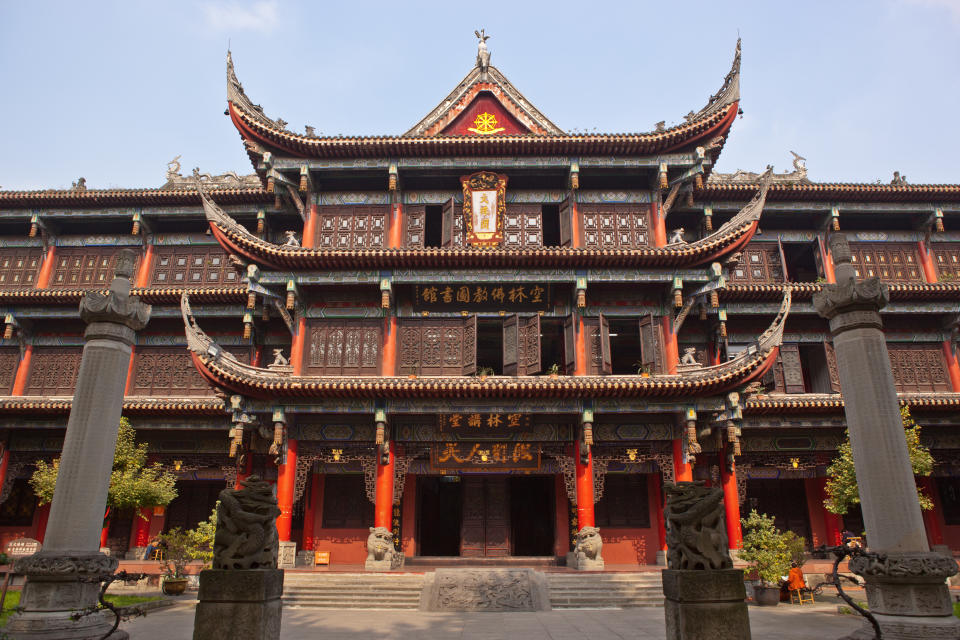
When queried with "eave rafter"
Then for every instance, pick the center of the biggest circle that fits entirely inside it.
(224, 371)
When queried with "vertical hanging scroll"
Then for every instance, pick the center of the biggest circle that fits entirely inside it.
(484, 203)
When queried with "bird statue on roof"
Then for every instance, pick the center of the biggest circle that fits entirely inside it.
(483, 54)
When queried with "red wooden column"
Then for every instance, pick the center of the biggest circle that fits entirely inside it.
(826, 259)
(585, 515)
(383, 510)
(931, 518)
(141, 527)
(731, 504)
(310, 227)
(395, 232)
(658, 226)
(389, 362)
(23, 373)
(682, 470)
(105, 532)
(926, 261)
(286, 477)
(952, 367)
(43, 517)
(310, 511)
(655, 489)
(832, 522)
(46, 269)
(4, 464)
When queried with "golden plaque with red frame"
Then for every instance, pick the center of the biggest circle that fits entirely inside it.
(484, 201)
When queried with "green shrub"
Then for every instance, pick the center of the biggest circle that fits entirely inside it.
(765, 547)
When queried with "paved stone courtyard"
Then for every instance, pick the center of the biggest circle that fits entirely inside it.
(784, 622)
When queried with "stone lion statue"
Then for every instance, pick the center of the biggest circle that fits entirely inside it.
(381, 553)
(696, 530)
(246, 536)
(587, 548)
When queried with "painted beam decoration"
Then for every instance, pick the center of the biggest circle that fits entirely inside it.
(485, 456)
(484, 201)
(527, 296)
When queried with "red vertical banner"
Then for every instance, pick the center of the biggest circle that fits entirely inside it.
(286, 478)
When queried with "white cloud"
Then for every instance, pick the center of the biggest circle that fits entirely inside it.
(952, 7)
(262, 16)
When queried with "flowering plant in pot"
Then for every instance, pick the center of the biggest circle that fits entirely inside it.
(182, 547)
(768, 552)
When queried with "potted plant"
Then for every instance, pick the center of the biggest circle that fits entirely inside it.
(181, 547)
(554, 370)
(483, 372)
(643, 370)
(768, 552)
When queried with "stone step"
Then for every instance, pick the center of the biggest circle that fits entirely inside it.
(370, 591)
(605, 590)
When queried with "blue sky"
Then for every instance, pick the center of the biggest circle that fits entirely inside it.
(113, 90)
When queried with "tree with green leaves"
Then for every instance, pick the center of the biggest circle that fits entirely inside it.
(842, 491)
(767, 549)
(133, 483)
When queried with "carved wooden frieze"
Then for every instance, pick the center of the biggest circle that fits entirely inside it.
(438, 346)
(352, 227)
(918, 368)
(9, 359)
(947, 258)
(891, 262)
(759, 263)
(53, 371)
(84, 267)
(169, 371)
(179, 266)
(19, 267)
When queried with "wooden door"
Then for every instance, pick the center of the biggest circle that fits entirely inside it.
(521, 345)
(485, 531)
(446, 227)
(792, 369)
(511, 345)
(606, 362)
(651, 350)
(569, 345)
(566, 223)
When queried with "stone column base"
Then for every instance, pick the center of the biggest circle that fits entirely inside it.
(705, 604)
(239, 605)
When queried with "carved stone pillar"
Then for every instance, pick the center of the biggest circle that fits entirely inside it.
(54, 588)
(906, 588)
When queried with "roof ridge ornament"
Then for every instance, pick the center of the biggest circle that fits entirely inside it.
(483, 54)
(728, 94)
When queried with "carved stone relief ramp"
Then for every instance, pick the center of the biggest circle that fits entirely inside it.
(485, 590)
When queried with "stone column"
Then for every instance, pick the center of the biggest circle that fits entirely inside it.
(906, 586)
(53, 590)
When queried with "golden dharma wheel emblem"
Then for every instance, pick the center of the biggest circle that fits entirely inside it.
(486, 124)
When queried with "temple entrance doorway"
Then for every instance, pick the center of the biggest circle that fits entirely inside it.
(438, 518)
(485, 516)
(532, 518)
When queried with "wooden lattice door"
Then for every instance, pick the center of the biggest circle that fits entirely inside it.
(485, 531)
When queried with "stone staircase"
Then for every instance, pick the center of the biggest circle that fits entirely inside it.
(605, 590)
(352, 590)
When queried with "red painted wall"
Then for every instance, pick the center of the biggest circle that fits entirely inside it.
(484, 102)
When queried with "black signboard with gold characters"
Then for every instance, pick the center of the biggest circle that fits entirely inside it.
(483, 424)
(485, 456)
(525, 296)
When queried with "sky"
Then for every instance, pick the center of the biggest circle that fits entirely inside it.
(112, 91)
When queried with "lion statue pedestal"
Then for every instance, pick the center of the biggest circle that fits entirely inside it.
(586, 554)
(381, 554)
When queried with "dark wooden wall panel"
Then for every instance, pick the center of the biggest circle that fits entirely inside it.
(53, 371)
(19, 267)
(352, 226)
(188, 266)
(610, 226)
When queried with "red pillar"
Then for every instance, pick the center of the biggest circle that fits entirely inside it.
(286, 476)
(926, 261)
(832, 522)
(4, 463)
(43, 516)
(952, 367)
(128, 387)
(106, 528)
(574, 223)
(383, 510)
(655, 488)
(389, 362)
(682, 471)
(257, 356)
(930, 519)
(141, 527)
(395, 234)
(659, 226)
(585, 517)
(142, 278)
(23, 372)
(310, 511)
(310, 228)
(731, 505)
(827, 260)
(580, 368)
(296, 349)
(46, 269)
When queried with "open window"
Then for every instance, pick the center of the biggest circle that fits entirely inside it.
(651, 344)
(432, 226)
(550, 216)
(786, 375)
(521, 345)
(597, 332)
(565, 221)
(570, 344)
(446, 237)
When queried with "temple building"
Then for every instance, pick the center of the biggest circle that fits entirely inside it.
(487, 336)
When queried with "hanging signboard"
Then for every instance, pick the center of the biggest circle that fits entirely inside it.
(482, 297)
(485, 456)
(484, 201)
(483, 424)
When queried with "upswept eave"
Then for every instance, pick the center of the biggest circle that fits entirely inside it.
(709, 125)
(730, 237)
(223, 370)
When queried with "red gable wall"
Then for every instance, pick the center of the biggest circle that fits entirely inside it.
(484, 102)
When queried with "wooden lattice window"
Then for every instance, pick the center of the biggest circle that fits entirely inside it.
(522, 226)
(451, 233)
(343, 348)
(19, 267)
(786, 375)
(53, 371)
(352, 227)
(651, 344)
(169, 371)
(84, 267)
(947, 257)
(521, 345)
(192, 267)
(597, 330)
(415, 219)
(9, 360)
(438, 347)
(888, 261)
(918, 367)
(624, 502)
(608, 226)
(345, 504)
(758, 263)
